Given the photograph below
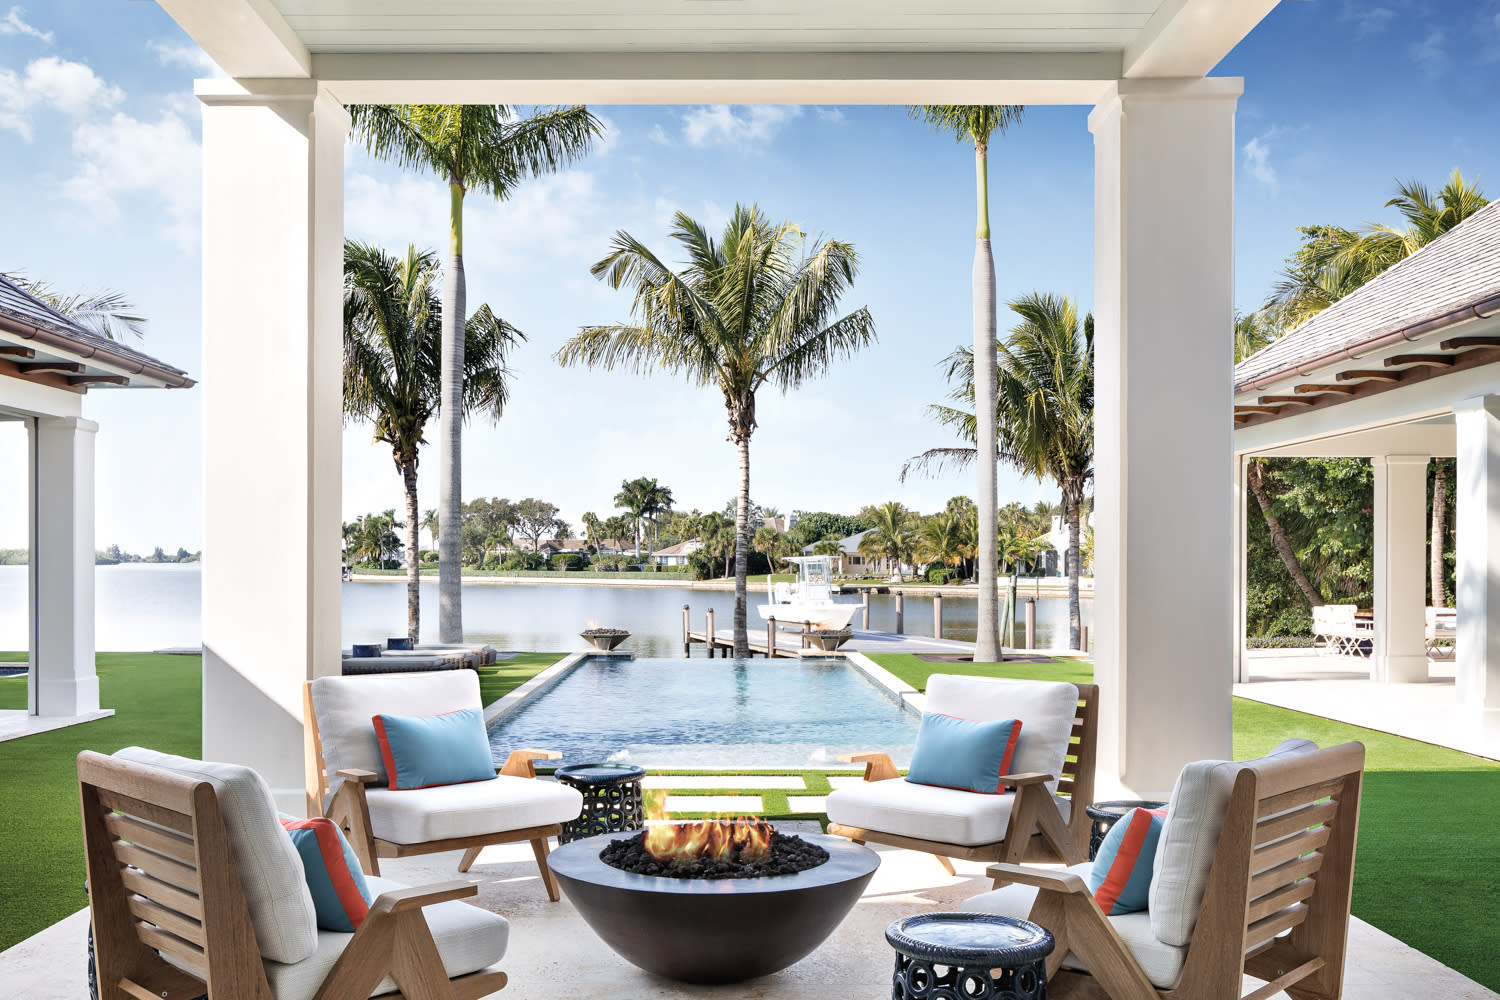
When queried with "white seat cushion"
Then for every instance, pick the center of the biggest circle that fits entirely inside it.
(468, 939)
(344, 707)
(1046, 710)
(925, 812)
(1162, 963)
(1190, 837)
(270, 870)
(471, 809)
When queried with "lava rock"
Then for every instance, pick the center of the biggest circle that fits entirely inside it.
(789, 854)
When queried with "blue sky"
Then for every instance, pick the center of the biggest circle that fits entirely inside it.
(99, 175)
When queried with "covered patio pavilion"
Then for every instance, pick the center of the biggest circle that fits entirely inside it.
(48, 363)
(274, 138)
(1401, 371)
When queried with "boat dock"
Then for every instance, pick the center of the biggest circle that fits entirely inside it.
(786, 639)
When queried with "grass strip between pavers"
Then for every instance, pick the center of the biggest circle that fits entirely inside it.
(1428, 861)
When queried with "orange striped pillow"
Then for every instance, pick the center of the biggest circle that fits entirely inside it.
(1121, 877)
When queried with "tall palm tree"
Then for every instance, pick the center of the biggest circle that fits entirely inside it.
(430, 524)
(492, 148)
(632, 499)
(593, 530)
(1045, 412)
(892, 536)
(976, 124)
(393, 328)
(941, 539)
(755, 309)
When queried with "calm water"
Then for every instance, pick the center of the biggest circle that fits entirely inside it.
(150, 607)
(711, 713)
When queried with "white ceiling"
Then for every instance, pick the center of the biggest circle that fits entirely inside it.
(345, 26)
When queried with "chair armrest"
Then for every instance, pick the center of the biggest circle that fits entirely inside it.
(1063, 882)
(878, 766)
(355, 774)
(1025, 778)
(520, 762)
(400, 900)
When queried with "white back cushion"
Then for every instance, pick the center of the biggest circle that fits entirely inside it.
(1046, 710)
(270, 870)
(345, 705)
(1190, 836)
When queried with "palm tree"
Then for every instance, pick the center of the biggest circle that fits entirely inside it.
(632, 498)
(108, 313)
(976, 124)
(892, 538)
(755, 309)
(1045, 412)
(430, 524)
(593, 530)
(719, 538)
(393, 322)
(489, 147)
(941, 539)
(1252, 331)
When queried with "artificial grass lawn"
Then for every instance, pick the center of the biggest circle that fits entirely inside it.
(1426, 867)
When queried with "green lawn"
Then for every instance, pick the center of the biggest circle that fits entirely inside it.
(1427, 866)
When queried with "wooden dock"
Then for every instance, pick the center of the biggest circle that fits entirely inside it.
(786, 639)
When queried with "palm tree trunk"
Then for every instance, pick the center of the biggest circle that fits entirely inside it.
(987, 647)
(450, 451)
(741, 551)
(1075, 616)
(1439, 533)
(1256, 476)
(413, 576)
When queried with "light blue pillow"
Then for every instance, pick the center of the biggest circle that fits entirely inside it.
(1121, 877)
(422, 751)
(340, 896)
(963, 753)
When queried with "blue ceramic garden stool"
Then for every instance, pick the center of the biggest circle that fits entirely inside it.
(968, 956)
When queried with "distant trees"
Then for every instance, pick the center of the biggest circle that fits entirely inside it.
(534, 518)
(819, 524)
(372, 540)
(114, 555)
(893, 537)
(645, 500)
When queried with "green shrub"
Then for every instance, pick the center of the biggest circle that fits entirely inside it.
(937, 574)
(524, 560)
(567, 560)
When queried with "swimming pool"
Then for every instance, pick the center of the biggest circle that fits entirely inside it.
(711, 713)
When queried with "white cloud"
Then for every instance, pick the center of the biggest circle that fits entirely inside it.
(124, 157)
(724, 125)
(186, 55)
(1430, 53)
(1367, 20)
(14, 24)
(829, 114)
(1258, 161)
(52, 84)
(659, 134)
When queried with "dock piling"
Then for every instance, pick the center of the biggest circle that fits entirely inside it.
(937, 615)
(687, 649)
(770, 638)
(1083, 640)
(900, 613)
(806, 631)
(708, 634)
(864, 600)
(1031, 623)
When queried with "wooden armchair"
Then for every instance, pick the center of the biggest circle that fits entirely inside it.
(171, 917)
(1042, 820)
(1274, 903)
(384, 824)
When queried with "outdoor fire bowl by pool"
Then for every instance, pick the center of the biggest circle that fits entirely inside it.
(713, 930)
(605, 639)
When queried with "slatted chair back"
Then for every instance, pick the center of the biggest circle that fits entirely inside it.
(1285, 863)
(1077, 777)
(162, 882)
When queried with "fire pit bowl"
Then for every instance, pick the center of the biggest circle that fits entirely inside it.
(828, 639)
(605, 639)
(713, 930)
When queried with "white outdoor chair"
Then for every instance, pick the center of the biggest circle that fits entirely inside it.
(195, 890)
(1325, 629)
(1254, 870)
(346, 777)
(1442, 631)
(1052, 773)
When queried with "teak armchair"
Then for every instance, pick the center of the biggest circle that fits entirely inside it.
(1275, 903)
(171, 920)
(1045, 824)
(384, 824)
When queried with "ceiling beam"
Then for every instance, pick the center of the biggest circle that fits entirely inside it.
(16, 351)
(247, 38)
(98, 380)
(1190, 37)
(719, 77)
(59, 367)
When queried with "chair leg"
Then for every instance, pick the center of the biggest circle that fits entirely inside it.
(539, 848)
(946, 863)
(470, 856)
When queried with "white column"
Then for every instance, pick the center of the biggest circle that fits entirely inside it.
(1400, 514)
(1241, 566)
(1164, 465)
(62, 568)
(1478, 545)
(272, 343)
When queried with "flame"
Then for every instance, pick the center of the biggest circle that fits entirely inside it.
(737, 838)
(593, 623)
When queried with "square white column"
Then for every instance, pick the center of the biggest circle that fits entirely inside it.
(1241, 567)
(272, 351)
(63, 679)
(1164, 462)
(1400, 513)
(1478, 546)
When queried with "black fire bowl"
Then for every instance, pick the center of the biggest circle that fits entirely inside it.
(713, 930)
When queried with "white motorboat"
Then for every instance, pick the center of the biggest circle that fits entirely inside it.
(810, 599)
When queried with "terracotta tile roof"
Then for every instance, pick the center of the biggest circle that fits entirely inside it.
(1446, 276)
